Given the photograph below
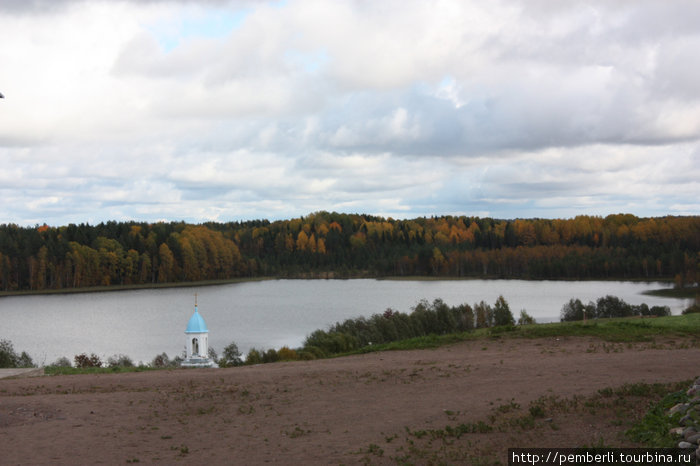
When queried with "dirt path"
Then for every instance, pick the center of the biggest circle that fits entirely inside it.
(338, 411)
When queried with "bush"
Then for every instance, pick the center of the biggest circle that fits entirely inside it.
(484, 315)
(161, 360)
(466, 317)
(436, 318)
(575, 310)
(612, 306)
(608, 307)
(270, 356)
(231, 356)
(8, 357)
(312, 352)
(525, 318)
(661, 311)
(501, 313)
(695, 308)
(119, 360)
(287, 354)
(62, 362)
(83, 361)
(253, 357)
(306, 355)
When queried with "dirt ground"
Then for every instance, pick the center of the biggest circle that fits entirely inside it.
(381, 408)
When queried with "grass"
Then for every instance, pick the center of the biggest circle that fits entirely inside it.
(618, 411)
(687, 292)
(618, 330)
(59, 370)
(654, 429)
(630, 329)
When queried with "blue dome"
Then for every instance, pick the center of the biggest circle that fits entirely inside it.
(196, 323)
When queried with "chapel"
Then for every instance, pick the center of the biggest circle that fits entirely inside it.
(197, 342)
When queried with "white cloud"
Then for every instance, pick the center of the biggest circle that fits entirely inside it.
(237, 109)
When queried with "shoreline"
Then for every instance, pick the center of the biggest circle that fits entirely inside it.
(684, 293)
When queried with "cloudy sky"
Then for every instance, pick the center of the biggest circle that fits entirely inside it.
(231, 110)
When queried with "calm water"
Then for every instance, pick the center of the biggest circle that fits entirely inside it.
(266, 314)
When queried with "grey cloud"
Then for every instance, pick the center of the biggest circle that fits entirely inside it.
(582, 79)
(30, 6)
(50, 6)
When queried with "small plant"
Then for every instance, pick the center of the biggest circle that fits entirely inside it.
(375, 449)
(536, 410)
(297, 432)
(508, 407)
(655, 427)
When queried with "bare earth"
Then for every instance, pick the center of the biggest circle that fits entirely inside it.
(359, 409)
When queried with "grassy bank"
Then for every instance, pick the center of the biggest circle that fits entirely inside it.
(62, 370)
(689, 292)
(630, 329)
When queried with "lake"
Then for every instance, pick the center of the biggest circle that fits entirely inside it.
(264, 314)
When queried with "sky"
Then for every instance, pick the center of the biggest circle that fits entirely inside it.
(218, 110)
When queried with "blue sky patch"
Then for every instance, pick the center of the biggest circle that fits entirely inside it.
(208, 24)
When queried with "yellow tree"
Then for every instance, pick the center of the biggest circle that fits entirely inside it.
(321, 246)
(302, 241)
(312, 243)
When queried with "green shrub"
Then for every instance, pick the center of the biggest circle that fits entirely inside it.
(161, 360)
(654, 428)
(62, 362)
(253, 357)
(231, 356)
(608, 307)
(119, 360)
(270, 356)
(525, 318)
(306, 355)
(501, 313)
(287, 354)
(8, 357)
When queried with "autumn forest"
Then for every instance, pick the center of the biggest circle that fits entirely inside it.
(338, 245)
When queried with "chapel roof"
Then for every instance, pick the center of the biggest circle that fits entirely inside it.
(196, 323)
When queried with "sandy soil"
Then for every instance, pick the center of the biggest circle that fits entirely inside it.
(359, 409)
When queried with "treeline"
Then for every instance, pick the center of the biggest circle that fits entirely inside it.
(425, 319)
(608, 307)
(327, 244)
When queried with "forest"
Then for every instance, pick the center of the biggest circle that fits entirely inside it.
(338, 245)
